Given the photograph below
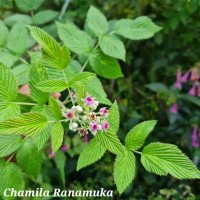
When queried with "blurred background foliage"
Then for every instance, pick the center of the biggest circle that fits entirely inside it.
(145, 92)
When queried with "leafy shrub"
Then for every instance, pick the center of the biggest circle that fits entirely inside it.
(33, 122)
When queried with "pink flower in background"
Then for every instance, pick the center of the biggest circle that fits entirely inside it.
(185, 77)
(88, 101)
(178, 79)
(198, 91)
(173, 108)
(192, 90)
(104, 126)
(85, 139)
(195, 142)
(63, 148)
(51, 154)
(194, 74)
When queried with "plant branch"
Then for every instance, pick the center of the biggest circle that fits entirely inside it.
(138, 152)
(70, 94)
(64, 8)
(86, 62)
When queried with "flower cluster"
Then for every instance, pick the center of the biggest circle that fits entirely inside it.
(84, 119)
(191, 76)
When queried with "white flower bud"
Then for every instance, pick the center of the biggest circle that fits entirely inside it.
(73, 126)
(98, 120)
(95, 105)
(99, 127)
(84, 118)
(79, 109)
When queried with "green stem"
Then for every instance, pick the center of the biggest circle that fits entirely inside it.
(22, 103)
(138, 152)
(10, 158)
(54, 121)
(24, 61)
(26, 103)
(86, 62)
(70, 94)
(61, 104)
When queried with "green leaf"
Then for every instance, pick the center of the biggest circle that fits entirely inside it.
(44, 16)
(57, 136)
(124, 170)
(41, 139)
(9, 144)
(7, 58)
(9, 110)
(96, 21)
(110, 141)
(11, 177)
(112, 46)
(52, 86)
(18, 18)
(54, 109)
(54, 55)
(76, 40)
(161, 159)
(28, 124)
(27, 5)
(80, 93)
(73, 69)
(8, 85)
(60, 160)
(21, 73)
(3, 33)
(17, 39)
(192, 99)
(29, 159)
(92, 153)
(82, 77)
(137, 135)
(104, 65)
(36, 75)
(113, 117)
(95, 88)
(157, 87)
(138, 29)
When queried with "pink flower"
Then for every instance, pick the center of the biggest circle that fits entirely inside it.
(63, 148)
(69, 114)
(103, 111)
(195, 142)
(85, 139)
(82, 132)
(198, 91)
(185, 77)
(194, 74)
(192, 90)
(178, 79)
(93, 127)
(104, 126)
(173, 108)
(88, 101)
(51, 154)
